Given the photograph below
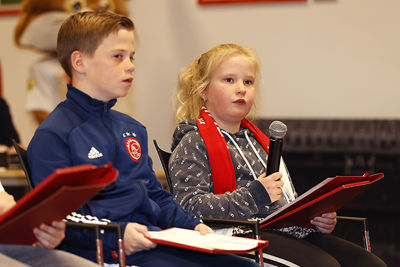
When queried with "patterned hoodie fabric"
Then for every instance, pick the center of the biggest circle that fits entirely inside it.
(192, 180)
(191, 177)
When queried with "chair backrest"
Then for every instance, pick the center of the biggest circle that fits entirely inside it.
(164, 158)
(23, 159)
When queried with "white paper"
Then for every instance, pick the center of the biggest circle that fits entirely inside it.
(207, 241)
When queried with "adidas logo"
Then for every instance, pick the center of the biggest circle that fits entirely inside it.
(94, 153)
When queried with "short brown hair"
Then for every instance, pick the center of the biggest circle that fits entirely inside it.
(84, 31)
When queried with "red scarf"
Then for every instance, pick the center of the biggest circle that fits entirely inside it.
(222, 169)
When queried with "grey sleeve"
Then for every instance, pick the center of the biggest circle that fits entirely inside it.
(191, 178)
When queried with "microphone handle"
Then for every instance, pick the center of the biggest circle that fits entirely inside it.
(274, 155)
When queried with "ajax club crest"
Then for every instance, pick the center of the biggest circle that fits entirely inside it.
(133, 147)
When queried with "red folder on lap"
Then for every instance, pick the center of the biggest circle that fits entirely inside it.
(64, 191)
(328, 196)
(208, 243)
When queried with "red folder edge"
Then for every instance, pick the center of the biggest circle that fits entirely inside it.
(300, 206)
(16, 225)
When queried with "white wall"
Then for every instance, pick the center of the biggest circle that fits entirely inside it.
(320, 59)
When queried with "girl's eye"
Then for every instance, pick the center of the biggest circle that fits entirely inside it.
(132, 59)
(118, 56)
(248, 82)
(229, 80)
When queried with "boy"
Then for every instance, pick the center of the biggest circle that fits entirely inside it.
(96, 50)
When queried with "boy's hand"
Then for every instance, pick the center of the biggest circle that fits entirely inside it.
(6, 201)
(273, 184)
(135, 238)
(50, 236)
(203, 229)
(325, 223)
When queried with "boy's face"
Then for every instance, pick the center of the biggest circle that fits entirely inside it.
(109, 71)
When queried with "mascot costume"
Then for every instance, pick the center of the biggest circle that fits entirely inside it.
(37, 29)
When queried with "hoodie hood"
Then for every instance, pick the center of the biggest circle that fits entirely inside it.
(183, 128)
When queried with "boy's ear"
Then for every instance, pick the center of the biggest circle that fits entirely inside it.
(77, 61)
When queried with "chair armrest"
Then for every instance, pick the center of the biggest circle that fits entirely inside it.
(253, 225)
(229, 222)
(361, 220)
(98, 229)
(364, 222)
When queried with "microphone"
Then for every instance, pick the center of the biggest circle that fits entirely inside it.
(277, 130)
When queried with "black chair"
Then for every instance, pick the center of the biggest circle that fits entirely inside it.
(23, 159)
(97, 228)
(164, 158)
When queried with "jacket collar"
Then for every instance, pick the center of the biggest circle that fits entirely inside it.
(87, 102)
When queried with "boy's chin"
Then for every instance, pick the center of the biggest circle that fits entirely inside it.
(122, 93)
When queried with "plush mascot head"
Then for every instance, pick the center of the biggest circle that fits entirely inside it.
(37, 28)
(40, 19)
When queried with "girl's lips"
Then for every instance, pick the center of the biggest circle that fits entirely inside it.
(240, 101)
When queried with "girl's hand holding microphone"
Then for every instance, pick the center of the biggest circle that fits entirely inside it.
(273, 184)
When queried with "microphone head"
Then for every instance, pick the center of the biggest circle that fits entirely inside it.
(277, 130)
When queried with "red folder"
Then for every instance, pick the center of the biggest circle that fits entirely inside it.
(209, 243)
(61, 193)
(328, 196)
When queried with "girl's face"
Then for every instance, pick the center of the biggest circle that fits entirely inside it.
(230, 94)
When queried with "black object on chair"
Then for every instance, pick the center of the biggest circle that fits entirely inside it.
(164, 158)
(253, 225)
(97, 228)
(23, 159)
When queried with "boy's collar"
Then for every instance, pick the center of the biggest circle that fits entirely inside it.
(94, 103)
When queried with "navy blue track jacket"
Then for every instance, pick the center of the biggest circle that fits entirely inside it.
(83, 130)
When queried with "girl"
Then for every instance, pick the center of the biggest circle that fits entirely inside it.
(219, 158)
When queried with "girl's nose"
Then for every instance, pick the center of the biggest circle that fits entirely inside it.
(240, 88)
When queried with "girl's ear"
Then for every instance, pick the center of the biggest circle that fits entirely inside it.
(77, 61)
(203, 95)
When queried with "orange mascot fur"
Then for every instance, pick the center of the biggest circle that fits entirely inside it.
(37, 29)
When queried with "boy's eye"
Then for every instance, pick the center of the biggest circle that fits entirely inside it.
(118, 56)
(132, 58)
(248, 82)
(229, 80)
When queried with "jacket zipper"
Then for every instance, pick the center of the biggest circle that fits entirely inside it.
(110, 132)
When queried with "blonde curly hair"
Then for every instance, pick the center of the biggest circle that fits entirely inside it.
(195, 78)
